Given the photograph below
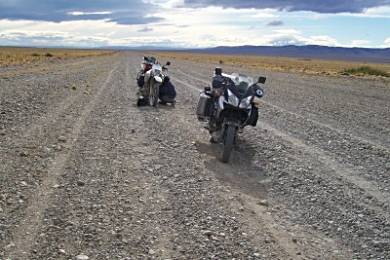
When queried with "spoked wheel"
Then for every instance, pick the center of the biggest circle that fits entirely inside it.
(228, 143)
(153, 94)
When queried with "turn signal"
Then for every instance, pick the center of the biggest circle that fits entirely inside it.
(257, 102)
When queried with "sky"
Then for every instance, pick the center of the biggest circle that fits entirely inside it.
(195, 23)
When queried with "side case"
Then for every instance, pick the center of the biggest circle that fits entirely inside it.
(204, 107)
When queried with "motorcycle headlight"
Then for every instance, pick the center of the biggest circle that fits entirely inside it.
(232, 99)
(158, 79)
(259, 93)
(246, 103)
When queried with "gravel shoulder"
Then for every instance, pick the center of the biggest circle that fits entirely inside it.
(85, 173)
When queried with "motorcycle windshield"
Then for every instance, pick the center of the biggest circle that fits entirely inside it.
(157, 69)
(242, 82)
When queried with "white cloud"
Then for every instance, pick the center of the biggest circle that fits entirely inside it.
(360, 43)
(287, 31)
(373, 12)
(380, 11)
(88, 13)
(215, 15)
(169, 3)
(294, 37)
(322, 40)
(84, 33)
(387, 43)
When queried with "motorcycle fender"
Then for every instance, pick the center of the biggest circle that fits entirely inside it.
(257, 103)
(253, 117)
(233, 123)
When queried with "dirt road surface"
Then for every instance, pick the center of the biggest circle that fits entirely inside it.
(85, 174)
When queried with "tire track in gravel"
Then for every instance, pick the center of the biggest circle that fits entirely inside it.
(165, 242)
(43, 95)
(35, 129)
(347, 173)
(60, 211)
(162, 244)
(26, 232)
(38, 142)
(118, 212)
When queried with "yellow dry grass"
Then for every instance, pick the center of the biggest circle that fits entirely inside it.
(16, 56)
(281, 64)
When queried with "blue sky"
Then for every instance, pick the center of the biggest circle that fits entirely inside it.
(195, 23)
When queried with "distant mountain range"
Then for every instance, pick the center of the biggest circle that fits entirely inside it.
(308, 51)
(293, 51)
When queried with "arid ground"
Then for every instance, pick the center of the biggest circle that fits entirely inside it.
(85, 174)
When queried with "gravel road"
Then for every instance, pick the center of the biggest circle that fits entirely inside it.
(85, 174)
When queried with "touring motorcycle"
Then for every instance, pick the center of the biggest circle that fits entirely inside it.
(154, 83)
(229, 108)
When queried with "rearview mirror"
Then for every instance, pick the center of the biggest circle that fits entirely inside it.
(168, 63)
(261, 80)
(218, 71)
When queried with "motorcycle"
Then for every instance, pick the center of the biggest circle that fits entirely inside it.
(152, 77)
(230, 108)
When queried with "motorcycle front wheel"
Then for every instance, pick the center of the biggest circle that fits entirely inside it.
(153, 94)
(228, 142)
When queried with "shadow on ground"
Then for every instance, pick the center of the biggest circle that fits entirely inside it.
(241, 173)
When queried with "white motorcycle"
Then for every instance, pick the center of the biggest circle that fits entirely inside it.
(153, 80)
